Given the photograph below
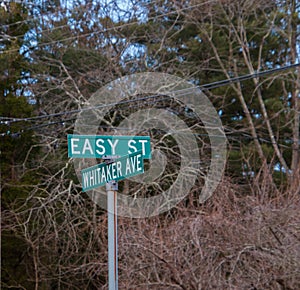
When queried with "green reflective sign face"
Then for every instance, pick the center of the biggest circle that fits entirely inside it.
(120, 168)
(86, 146)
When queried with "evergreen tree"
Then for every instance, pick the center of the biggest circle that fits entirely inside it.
(16, 141)
(210, 42)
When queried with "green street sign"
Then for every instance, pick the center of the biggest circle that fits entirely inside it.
(88, 146)
(120, 168)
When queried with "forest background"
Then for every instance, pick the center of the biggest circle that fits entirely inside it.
(55, 54)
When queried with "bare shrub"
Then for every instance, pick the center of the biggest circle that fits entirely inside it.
(232, 242)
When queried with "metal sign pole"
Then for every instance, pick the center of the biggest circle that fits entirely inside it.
(111, 188)
(112, 220)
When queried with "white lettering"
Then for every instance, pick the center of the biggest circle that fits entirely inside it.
(85, 180)
(108, 175)
(138, 163)
(103, 176)
(119, 168)
(128, 169)
(98, 145)
(98, 174)
(133, 163)
(131, 146)
(74, 146)
(113, 170)
(87, 146)
(92, 178)
(113, 146)
(143, 146)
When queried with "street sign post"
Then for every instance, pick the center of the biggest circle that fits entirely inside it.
(87, 146)
(133, 150)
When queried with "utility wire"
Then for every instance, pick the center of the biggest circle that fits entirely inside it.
(182, 92)
(246, 77)
(58, 9)
(229, 130)
(102, 30)
(8, 120)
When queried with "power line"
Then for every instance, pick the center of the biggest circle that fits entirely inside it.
(29, 18)
(103, 30)
(204, 87)
(238, 138)
(247, 77)
(58, 9)
(229, 130)
(8, 120)
(34, 17)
